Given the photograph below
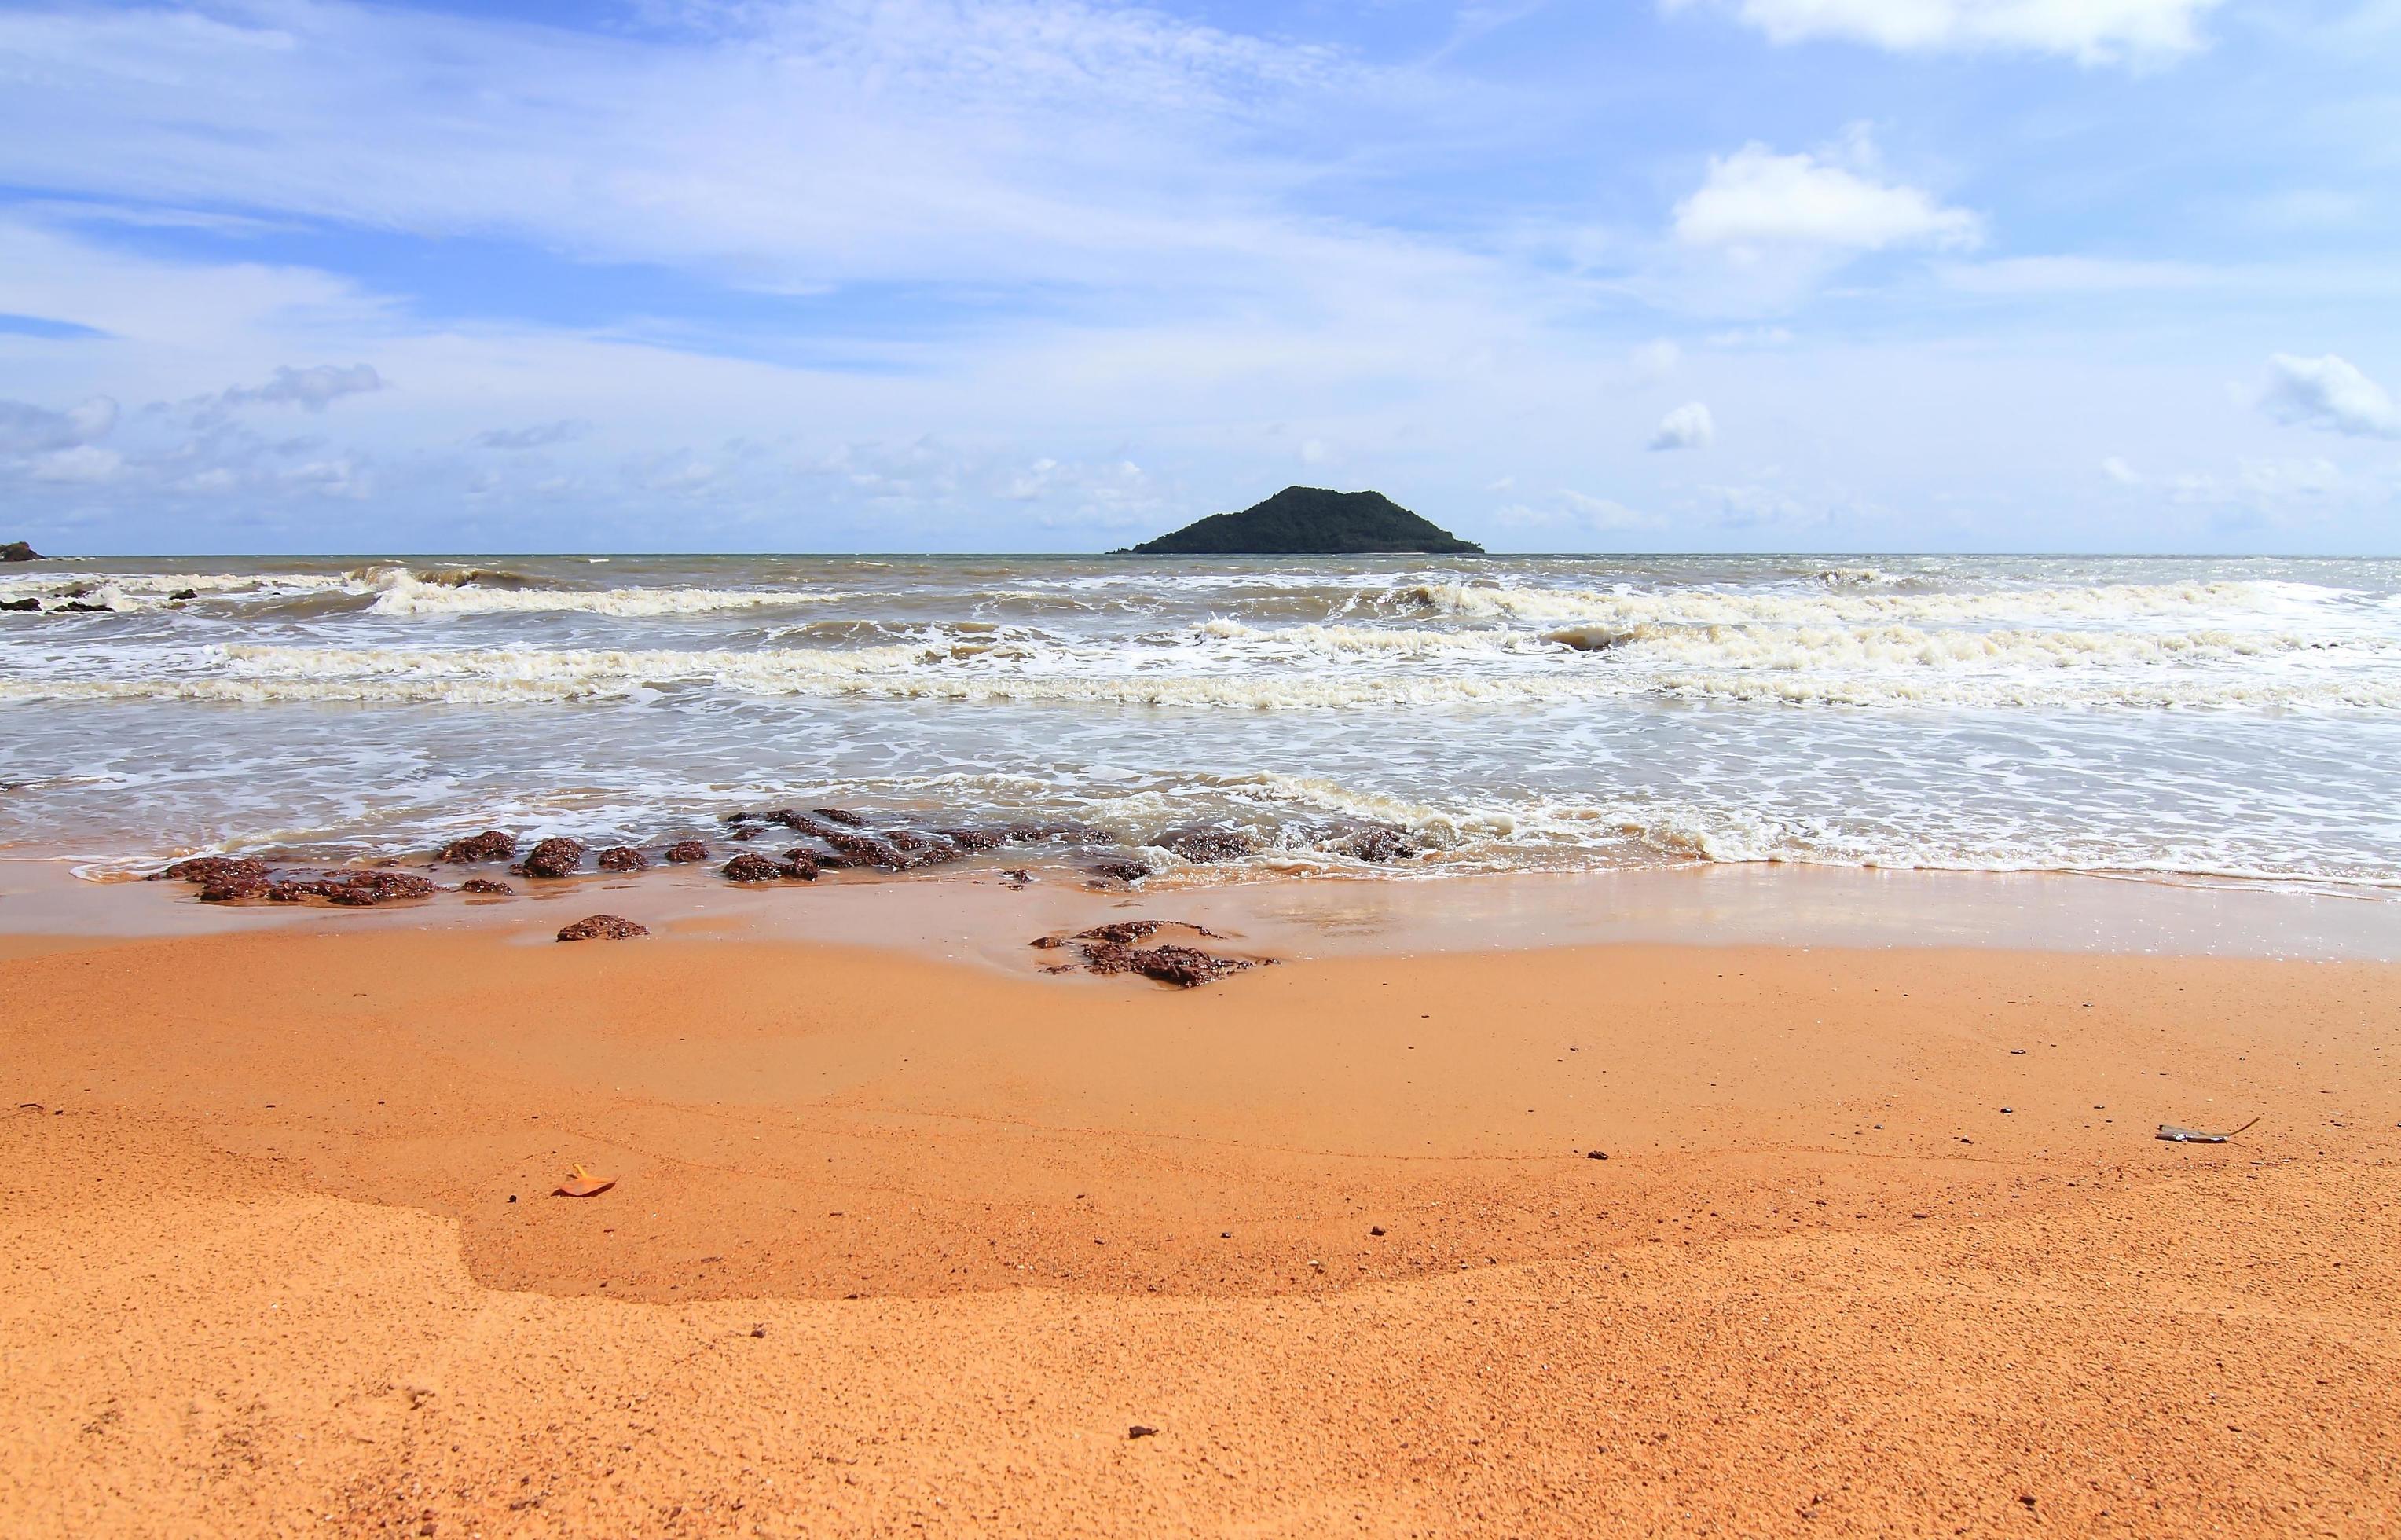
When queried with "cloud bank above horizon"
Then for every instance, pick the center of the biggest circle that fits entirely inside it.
(287, 275)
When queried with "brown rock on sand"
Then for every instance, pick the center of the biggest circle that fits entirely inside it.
(622, 857)
(747, 867)
(684, 852)
(554, 857)
(602, 927)
(492, 844)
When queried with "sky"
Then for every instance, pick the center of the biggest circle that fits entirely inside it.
(1058, 275)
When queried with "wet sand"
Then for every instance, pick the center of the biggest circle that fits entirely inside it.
(1883, 1240)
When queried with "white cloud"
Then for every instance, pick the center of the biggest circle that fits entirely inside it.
(2092, 31)
(1756, 198)
(1688, 426)
(28, 429)
(2117, 470)
(2330, 393)
(539, 436)
(85, 462)
(312, 389)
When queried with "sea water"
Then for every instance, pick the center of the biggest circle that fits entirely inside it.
(2225, 719)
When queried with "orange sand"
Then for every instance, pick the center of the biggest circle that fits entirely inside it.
(897, 1245)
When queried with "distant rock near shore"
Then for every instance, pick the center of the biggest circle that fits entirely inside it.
(1312, 521)
(17, 550)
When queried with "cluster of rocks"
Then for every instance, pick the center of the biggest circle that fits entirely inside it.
(227, 879)
(1109, 949)
(18, 550)
(830, 839)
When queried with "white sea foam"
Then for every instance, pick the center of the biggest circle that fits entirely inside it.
(1885, 667)
(1716, 606)
(405, 593)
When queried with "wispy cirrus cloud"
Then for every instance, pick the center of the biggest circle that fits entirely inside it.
(2092, 31)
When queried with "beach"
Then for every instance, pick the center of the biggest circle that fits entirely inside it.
(1674, 1046)
(1882, 1239)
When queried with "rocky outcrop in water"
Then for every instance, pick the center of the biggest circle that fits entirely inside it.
(684, 852)
(492, 844)
(622, 857)
(553, 858)
(27, 605)
(17, 550)
(1378, 845)
(1207, 847)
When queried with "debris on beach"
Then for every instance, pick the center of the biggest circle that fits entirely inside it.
(580, 1183)
(1118, 873)
(602, 927)
(2173, 1135)
(1140, 1431)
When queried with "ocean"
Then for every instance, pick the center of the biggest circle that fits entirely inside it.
(2223, 719)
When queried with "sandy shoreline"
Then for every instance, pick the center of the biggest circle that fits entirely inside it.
(264, 1265)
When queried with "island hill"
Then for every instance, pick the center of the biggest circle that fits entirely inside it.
(1312, 521)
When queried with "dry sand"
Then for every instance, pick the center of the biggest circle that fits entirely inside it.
(901, 1246)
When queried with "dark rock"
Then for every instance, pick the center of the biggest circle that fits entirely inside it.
(602, 927)
(1138, 1431)
(181, 594)
(906, 839)
(17, 550)
(743, 817)
(234, 889)
(553, 858)
(21, 604)
(748, 832)
(362, 889)
(1046, 941)
(684, 852)
(800, 865)
(485, 886)
(1119, 870)
(1312, 521)
(747, 867)
(1031, 832)
(622, 857)
(1185, 967)
(492, 844)
(1208, 845)
(77, 607)
(1378, 843)
(842, 816)
(352, 889)
(1596, 1154)
(1019, 878)
(1133, 930)
(1374, 1230)
(861, 850)
(212, 869)
(973, 839)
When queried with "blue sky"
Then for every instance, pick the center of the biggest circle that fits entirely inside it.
(1036, 275)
